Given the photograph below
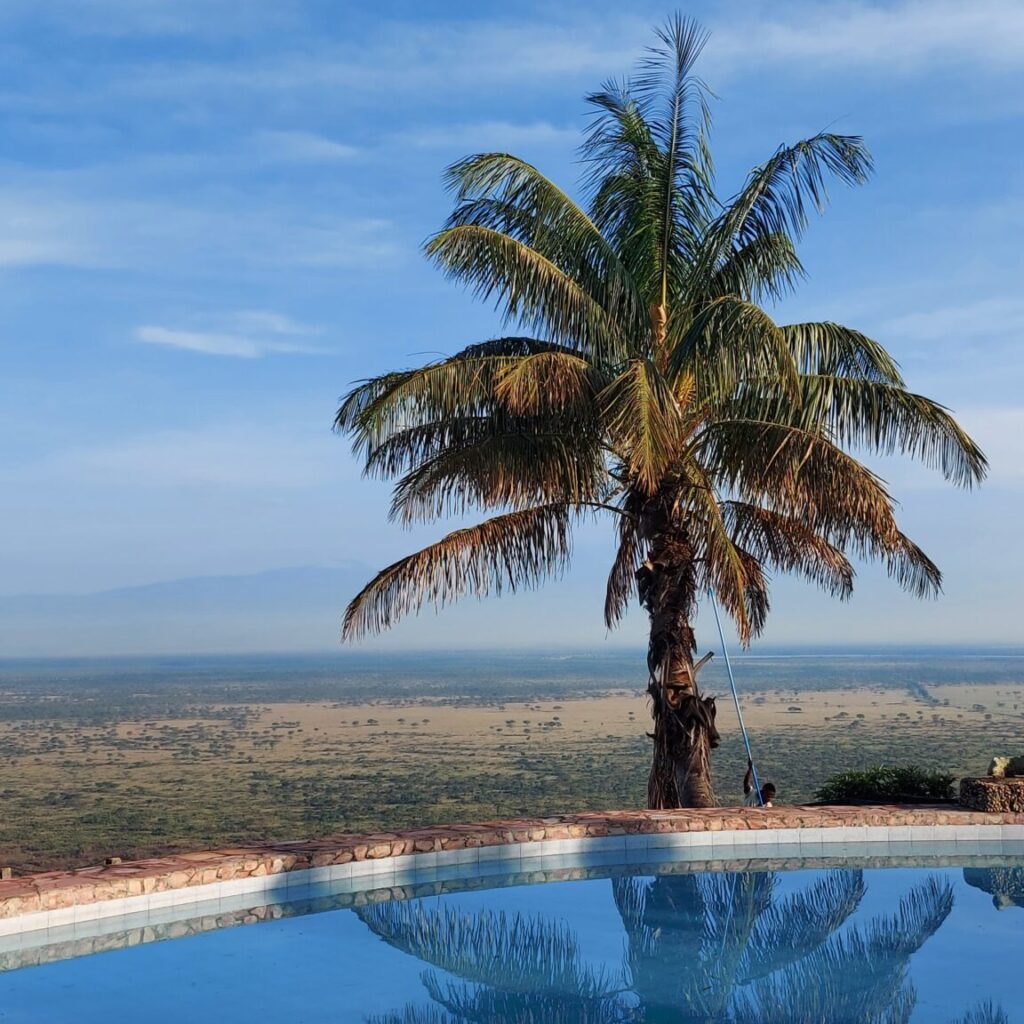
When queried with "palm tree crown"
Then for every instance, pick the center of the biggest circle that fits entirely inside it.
(645, 380)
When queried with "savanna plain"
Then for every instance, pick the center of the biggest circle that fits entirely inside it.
(137, 757)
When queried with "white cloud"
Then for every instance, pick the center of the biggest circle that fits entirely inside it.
(39, 228)
(984, 318)
(302, 147)
(895, 37)
(496, 135)
(212, 343)
(36, 230)
(913, 35)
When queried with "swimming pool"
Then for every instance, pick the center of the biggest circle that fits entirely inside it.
(916, 937)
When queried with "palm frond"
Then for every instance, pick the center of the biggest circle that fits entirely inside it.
(528, 287)
(779, 195)
(645, 422)
(621, 584)
(788, 544)
(786, 932)
(877, 417)
(675, 106)
(547, 381)
(503, 192)
(508, 551)
(765, 266)
(985, 1013)
(840, 351)
(801, 474)
(474, 1004)
(727, 341)
(502, 469)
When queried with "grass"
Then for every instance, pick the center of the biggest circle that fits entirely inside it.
(91, 771)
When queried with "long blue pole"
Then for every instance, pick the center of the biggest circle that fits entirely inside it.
(736, 697)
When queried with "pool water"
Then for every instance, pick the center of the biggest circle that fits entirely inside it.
(651, 943)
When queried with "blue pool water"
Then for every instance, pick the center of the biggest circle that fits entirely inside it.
(651, 943)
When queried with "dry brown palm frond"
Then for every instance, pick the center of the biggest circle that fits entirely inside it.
(546, 382)
(622, 578)
(505, 552)
(734, 575)
(502, 470)
(789, 545)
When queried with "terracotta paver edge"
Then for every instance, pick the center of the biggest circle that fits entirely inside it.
(55, 890)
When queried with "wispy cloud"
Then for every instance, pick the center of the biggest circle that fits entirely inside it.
(497, 135)
(40, 228)
(988, 318)
(302, 147)
(214, 344)
(889, 38)
(249, 334)
(914, 35)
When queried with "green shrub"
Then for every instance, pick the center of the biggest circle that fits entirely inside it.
(887, 783)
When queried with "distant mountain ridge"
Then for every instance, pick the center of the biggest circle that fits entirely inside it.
(288, 609)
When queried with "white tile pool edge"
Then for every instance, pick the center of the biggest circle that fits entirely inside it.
(747, 844)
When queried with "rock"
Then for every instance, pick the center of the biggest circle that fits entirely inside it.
(1006, 767)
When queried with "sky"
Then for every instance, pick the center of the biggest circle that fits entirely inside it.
(211, 216)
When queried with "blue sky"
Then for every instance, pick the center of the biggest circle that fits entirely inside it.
(211, 218)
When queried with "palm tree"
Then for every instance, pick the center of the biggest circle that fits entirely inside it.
(713, 947)
(645, 382)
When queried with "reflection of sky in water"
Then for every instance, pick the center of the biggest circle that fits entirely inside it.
(330, 968)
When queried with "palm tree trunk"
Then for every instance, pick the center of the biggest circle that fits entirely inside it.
(681, 761)
(684, 727)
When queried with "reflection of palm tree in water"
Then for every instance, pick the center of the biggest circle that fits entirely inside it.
(726, 948)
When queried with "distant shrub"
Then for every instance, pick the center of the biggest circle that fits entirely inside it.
(887, 784)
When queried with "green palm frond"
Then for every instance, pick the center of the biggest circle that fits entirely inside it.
(780, 194)
(871, 416)
(728, 341)
(527, 286)
(503, 192)
(765, 266)
(840, 352)
(503, 553)
(644, 421)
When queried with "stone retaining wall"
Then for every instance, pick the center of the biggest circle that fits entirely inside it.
(56, 890)
(989, 794)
